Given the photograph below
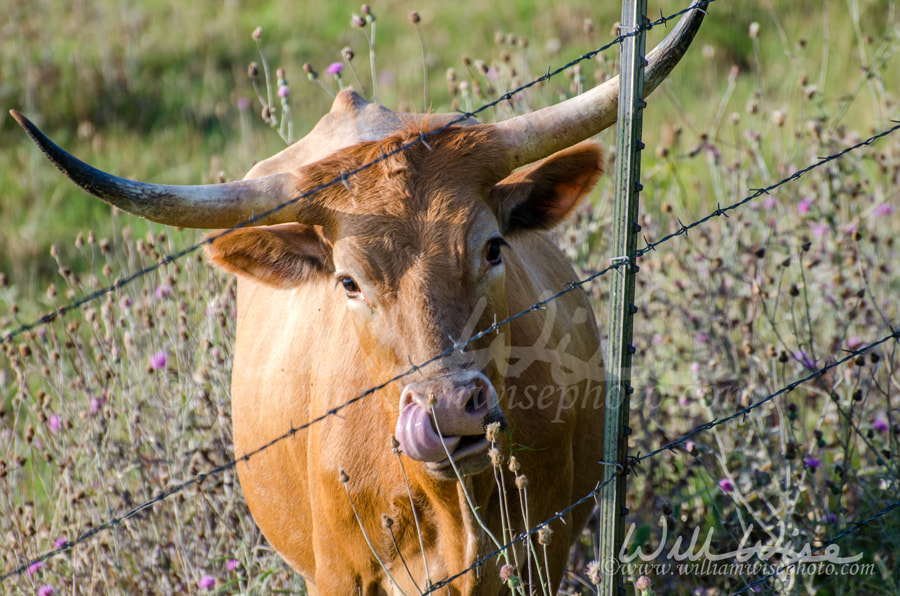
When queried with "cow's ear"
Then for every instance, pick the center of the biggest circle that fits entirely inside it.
(282, 256)
(542, 195)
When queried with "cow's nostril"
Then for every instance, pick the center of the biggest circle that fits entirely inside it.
(476, 401)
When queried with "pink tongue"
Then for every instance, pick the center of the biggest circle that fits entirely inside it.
(417, 436)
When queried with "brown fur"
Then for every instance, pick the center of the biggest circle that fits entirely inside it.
(411, 231)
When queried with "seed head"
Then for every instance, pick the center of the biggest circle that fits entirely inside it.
(544, 535)
(414, 17)
(778, 118)
(521, 482)
(347, 53)
(593, 572)
(754, 30)
(386, 522)
(492, 432)
(342, 476)
(357, 21)
(257, 34)
(496, 457)
(514, 464)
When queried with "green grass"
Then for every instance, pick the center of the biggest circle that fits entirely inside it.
(150, 92)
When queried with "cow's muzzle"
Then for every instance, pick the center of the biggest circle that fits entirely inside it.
(448, 415)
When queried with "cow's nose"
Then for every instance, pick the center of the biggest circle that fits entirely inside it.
(436, 413)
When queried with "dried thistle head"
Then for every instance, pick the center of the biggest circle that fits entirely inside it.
(521, 482)
(496, 457)
(544, 535)
(342, 476)
(593, 572)
(492, 432)
(514, 466)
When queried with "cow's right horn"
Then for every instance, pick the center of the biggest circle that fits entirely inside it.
(203, 206)
(533, 136)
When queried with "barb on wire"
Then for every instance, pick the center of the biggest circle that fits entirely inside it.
(493, 328)
(341, 179)
(853, 527)
(894, 334)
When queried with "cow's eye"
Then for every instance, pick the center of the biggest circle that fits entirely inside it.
(350, 286)
(492, 251)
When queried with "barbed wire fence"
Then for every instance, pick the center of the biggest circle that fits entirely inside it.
(616, 264)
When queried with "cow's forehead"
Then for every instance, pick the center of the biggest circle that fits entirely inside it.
(434, 239)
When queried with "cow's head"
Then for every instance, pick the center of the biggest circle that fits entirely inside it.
(413, 246)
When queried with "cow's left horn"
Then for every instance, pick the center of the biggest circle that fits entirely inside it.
(533, 136)
(204, 206)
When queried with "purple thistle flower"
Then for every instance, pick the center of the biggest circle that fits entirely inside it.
(206, 582)
(163, 291)
(769, 203)
(61, 542)
(803, 358)
(335, 68)
(819, 229)
(53, 423)
(158, 360)
(702, 338)
(804, 205)
(880, 425)
(831, 518)
(243, 103)
(813, 463)
(854, 342)
(46, 590)
(34, 567)
(232, 564)
(883, 210)
(284, 91)
(726, 485)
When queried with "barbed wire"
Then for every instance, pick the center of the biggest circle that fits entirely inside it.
(342, 179)
(894, 334)
(494, 328)
(853, 527)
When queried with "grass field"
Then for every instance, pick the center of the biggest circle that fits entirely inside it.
(128, 396)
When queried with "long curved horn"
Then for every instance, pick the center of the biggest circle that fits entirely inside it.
(206, 206)
(533, 136)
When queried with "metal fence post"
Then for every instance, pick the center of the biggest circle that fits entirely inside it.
(621, 297)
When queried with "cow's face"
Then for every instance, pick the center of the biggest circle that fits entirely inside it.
(415, 250)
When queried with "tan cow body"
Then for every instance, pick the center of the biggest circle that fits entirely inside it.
(322, 361)
(392, 270)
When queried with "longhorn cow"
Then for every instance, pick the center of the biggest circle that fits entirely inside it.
(347, 288)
